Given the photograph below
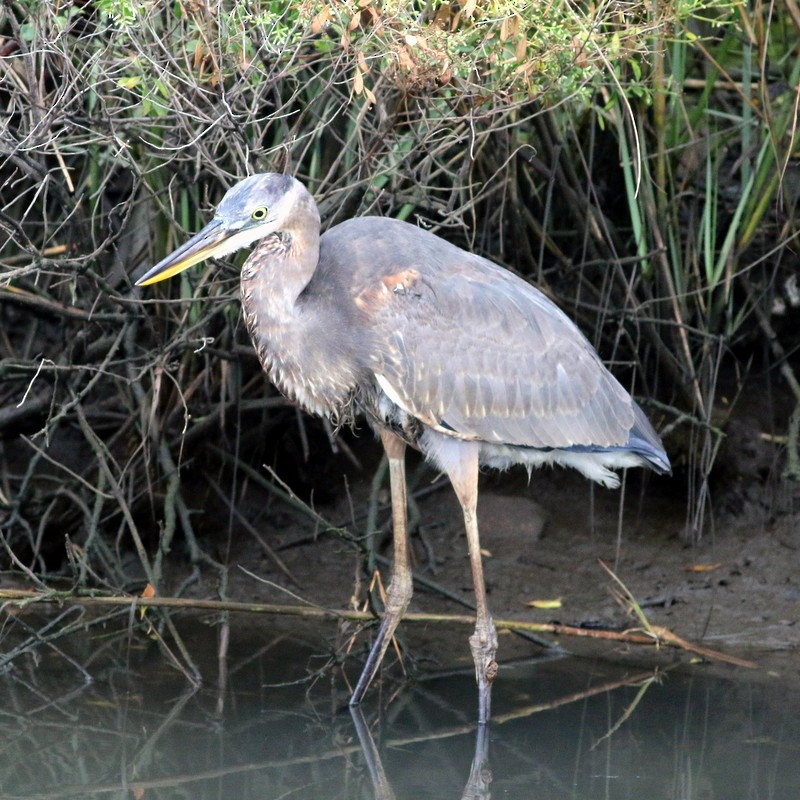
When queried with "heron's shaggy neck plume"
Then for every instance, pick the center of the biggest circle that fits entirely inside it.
(288, 335)
(282, 263)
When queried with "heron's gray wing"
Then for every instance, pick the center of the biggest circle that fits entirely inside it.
(476, 352)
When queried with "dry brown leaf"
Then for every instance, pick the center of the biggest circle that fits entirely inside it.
(320, 20)
(148, 591)
(405, 60)
(522, 48)
(505, 29)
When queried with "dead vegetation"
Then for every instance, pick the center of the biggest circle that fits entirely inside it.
(641, 170)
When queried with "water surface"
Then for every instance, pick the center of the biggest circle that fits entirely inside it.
(569, 728)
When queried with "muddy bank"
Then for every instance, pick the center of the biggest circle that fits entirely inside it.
(737, 590)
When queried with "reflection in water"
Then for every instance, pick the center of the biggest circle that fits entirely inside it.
(480, 774)
(571, 729)
(372, 758)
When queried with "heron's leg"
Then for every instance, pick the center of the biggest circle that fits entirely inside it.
(483, 643)
(398, 595)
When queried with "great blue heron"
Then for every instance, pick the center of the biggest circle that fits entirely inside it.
(440, 349)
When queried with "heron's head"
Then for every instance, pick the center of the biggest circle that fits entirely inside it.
(254, 208)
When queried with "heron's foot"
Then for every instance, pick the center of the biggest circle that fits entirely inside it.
(398, 596)
(483, 644)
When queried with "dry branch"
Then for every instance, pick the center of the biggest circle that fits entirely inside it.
(659, 637)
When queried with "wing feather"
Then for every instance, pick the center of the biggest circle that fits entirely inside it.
(472, 349)
(514, 369)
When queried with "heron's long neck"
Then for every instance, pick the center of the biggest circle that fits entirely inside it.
(281, 265)
(282, 329)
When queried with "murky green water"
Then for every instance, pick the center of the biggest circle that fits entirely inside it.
(563, 729)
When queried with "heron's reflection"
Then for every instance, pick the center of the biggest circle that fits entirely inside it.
(480, 774)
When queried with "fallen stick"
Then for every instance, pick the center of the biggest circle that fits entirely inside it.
(658, 636)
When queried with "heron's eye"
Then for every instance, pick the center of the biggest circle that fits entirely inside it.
(259, 214)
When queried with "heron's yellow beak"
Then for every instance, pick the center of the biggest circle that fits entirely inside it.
(209, 242)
